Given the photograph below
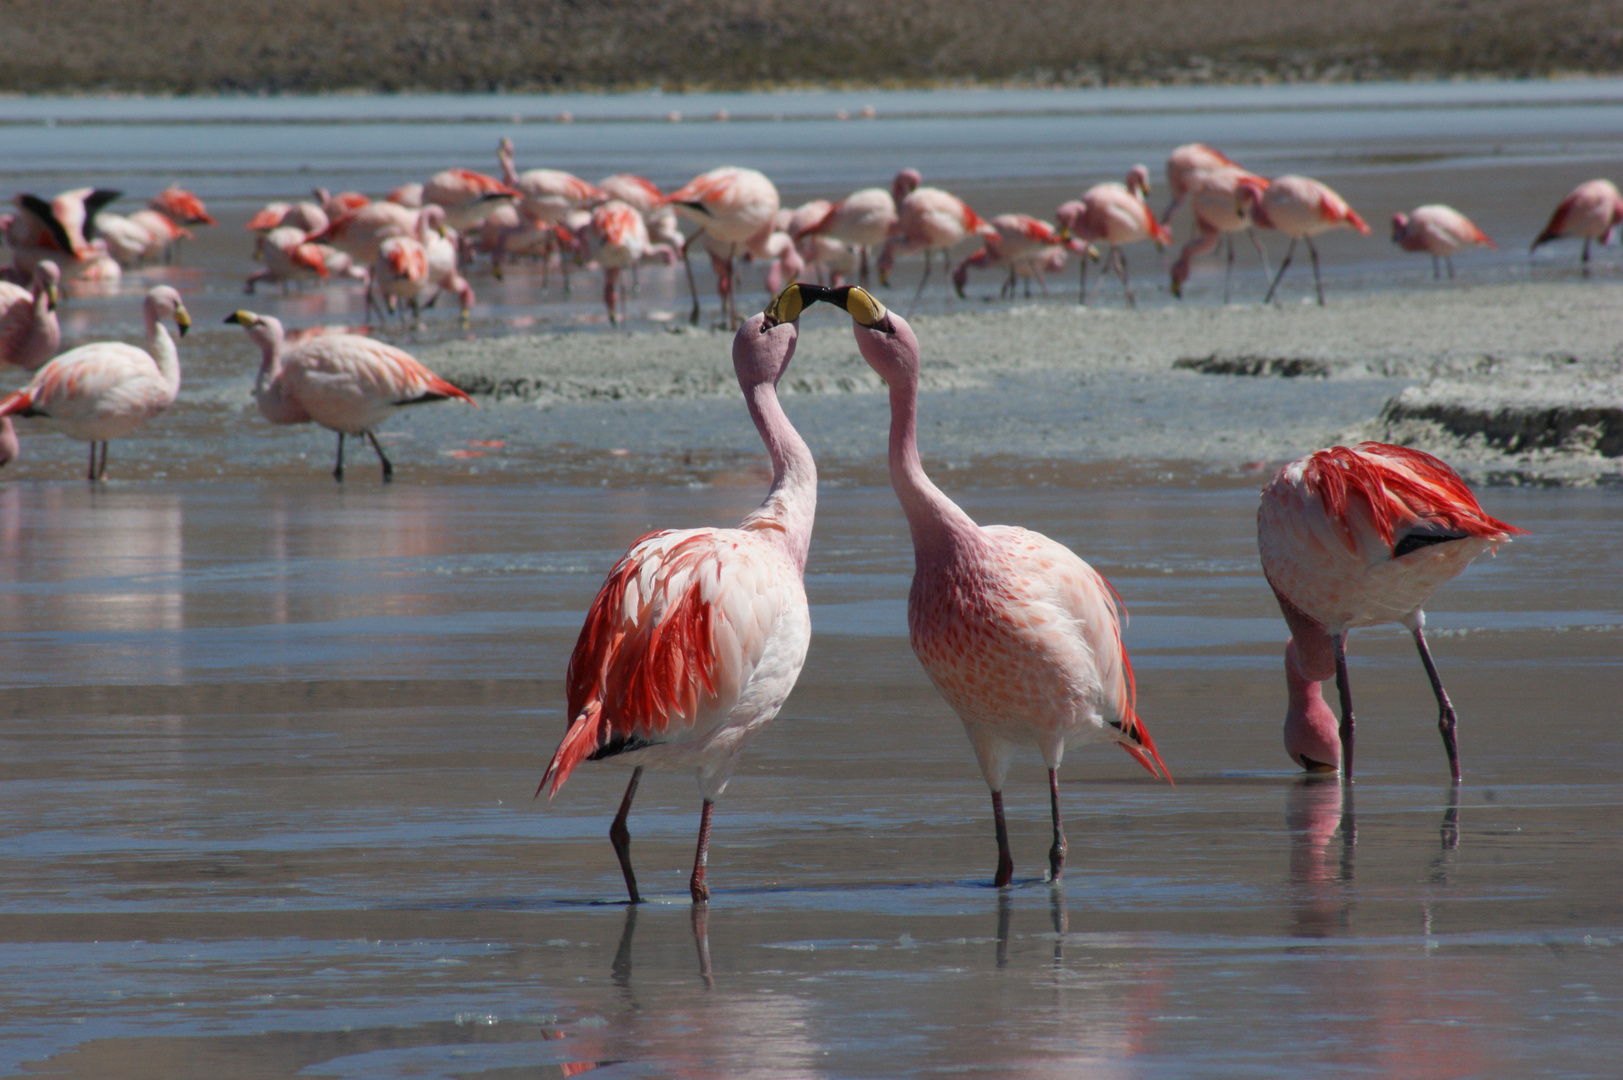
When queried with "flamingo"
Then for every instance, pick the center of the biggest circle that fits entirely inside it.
(1439, 231)
(62, 230)
(308, 217)
(1184, 168)
(408, 195)
(733, 206)
(164, 218)
(412, 267)
(1356, 537)
(1020, 241)
(128, 241)
(929, 219)
(106, 390)
(360, 233)
(29, 332)
(617, 238)
(344, 382)
(467, 196)
(698, 635)
(864, 219)
(181, 206)
(649, 201)
(1591, 210)
(289, 257)
(1301, 208)
(336, 206)
(1116, 214)
(1020, 635)
(546, 195)
(1218, 213)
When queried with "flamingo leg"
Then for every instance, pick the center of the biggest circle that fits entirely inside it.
(1121, 268)
(1262, 252)
(338, 469)
(731, 299)
(1082, 288)
(1313, 252)
(620, 836)
(1056, 854)
(1586, 257)
(1344, 691)
(1228, 270)
(101, 470)
(693, 286)
(1446, 720)
(1041, 284)
(1005, 860)
(701, 858)
(90, 472)
(1282, 268)
(388, 468)
(922, 281)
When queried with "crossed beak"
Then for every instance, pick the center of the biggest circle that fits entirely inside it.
(854, 300)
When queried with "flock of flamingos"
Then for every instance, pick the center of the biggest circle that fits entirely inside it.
(697, 636)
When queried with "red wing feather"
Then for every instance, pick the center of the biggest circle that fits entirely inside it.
(1397, 485)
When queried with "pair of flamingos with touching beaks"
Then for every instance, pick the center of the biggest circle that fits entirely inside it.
(698, 635)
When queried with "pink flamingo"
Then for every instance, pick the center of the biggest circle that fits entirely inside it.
(1357, 537)
(62, 230)
(288, 257)
(1301, 208)
(733, 206)
(1019, 241)
(360, 233)
(106, 390)
(1439, 231)
(1184, 168)
(307, 217)
(336, 206)
(1020, 635)
(165, 217)
(1115, 214)
(546, 196)
(1218, 214)
(181, 206)
(617, 239)
(698, 635)
(467, 196)
(1591, 210)
(29, 332)
(929, 220)
(408, 195)
(344, 382)
(864, 219)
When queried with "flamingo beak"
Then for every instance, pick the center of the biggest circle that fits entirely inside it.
(240, 318)
(183, 321)
(51, 297)
(862, 306)
(788, 304)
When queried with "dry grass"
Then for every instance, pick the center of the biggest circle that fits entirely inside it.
(188, 46)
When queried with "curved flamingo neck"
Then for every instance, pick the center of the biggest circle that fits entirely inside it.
(162, 348)
(939, 527)
(791, 504)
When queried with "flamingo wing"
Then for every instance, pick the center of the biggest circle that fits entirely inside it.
(673, 642)
(94, 379)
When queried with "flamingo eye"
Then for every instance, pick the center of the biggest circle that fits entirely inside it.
(785, 307)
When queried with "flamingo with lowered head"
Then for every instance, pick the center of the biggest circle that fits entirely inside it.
(1301, 208)
(1357, 537)
(344, 382)
(1184, 168)
(1022, 243)
(698, 635)
(29, 332)
(734, 207)
(1114, 214)
(1218, 215)
(104, 391)
(929, 220)
(1439, 231)
(1020, 635)
(1591, 211)
(864, 219)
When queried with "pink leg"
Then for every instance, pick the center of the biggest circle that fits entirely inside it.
(696, 885)
(1446, 721)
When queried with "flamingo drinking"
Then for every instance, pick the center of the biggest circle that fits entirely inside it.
(1439, 231)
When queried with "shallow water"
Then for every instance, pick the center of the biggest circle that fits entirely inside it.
(270, 751)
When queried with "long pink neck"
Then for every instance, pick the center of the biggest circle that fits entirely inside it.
(791, 504)
(939, 527)
(268, 391)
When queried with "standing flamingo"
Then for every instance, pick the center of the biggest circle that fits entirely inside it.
(29, 332)
(1358, 537)
(864, 219)
(344, 382)
(467, 196)
(1020, 635)
(929, 220)
(1115, 214)
(698, 635)
(617, 239)
(734, 207)
(1020, 242)
(1218, 214)
(1184, 168)
(1301, 208)
(1591, 210)
(104, 391)
(1439, 231)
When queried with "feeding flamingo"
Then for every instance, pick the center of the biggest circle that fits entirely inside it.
(466, 196)
(29, 332)
(344, 382)
(1115, 214)
(1301, 208)
(1020, 635)
(106, 390)
(1591, 210)
(698, 635)
(1218, 214)
(1184, 168)
(735, 207)
(1020, 242)
(1439, 231)
(546, 195)
(307, 217)
(864, 219)
(1356, 537)
(617, 239)
(929, 220)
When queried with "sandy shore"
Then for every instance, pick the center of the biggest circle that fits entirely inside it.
(1521, 383)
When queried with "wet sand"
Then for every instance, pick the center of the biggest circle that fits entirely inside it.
(270, 752)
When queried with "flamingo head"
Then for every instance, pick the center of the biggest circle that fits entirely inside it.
(430, 218)
(1138, 180)
(765, 344)
(265, 330)
(1400, 228)
(1312, 733)
(906, 182)
(48, 281)
(1248, 195)
(163, 302)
